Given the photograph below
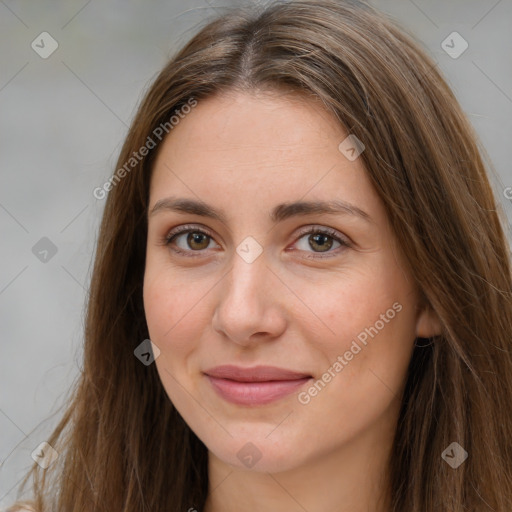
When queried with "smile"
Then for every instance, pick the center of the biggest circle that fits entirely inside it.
(254, 386)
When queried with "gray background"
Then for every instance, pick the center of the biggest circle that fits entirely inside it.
(62, 122)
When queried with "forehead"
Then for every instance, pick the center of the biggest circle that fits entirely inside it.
(269, 121)
(257, 146)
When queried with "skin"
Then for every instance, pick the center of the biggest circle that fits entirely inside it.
(244, 153)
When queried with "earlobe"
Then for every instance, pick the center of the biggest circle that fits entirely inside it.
(428, 323)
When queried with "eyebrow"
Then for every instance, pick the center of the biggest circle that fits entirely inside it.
(279, 213)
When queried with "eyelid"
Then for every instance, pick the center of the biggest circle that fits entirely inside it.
(183, 228)
(344, 241)
(342, 238)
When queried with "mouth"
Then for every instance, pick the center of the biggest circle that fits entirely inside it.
(258, 385)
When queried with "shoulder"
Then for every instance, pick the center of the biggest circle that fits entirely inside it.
(20, 507)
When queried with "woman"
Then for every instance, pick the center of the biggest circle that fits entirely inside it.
(376, 376)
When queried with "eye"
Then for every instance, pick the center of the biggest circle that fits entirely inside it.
(198, 239)
(321, 239)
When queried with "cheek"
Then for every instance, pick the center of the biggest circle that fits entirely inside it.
(364, 365)
(176, 315)
(355, 302)
(172, 309)
(371, 321)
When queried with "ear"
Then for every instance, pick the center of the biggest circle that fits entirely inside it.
(428, 323)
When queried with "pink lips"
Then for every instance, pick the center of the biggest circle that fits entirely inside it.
(254, 386)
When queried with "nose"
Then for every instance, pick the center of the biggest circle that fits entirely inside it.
(249, 307)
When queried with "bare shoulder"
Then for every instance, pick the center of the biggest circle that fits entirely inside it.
(21, 507)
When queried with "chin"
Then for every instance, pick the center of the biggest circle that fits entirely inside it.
(259, 453)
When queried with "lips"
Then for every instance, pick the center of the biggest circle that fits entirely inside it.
(254, 386)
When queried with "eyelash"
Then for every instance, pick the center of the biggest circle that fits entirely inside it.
(169, 238)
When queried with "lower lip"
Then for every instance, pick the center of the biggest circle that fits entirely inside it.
(255, 393)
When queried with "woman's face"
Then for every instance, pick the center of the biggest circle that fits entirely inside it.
(335, 307)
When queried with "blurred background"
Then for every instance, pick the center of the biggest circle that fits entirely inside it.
(71, 76)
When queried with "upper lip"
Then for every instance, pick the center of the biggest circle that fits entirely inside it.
(254, 374)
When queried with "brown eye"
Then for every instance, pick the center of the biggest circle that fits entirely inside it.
(313, 241)
(321, 241)
(197, 240)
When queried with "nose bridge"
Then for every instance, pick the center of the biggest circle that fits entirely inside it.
(246, 304)
(247, 280)
(249, 267)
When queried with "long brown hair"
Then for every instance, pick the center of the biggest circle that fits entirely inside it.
(122, 444)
